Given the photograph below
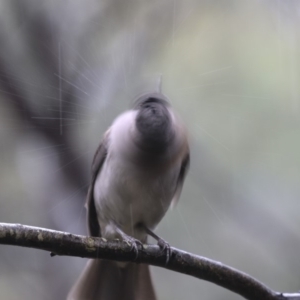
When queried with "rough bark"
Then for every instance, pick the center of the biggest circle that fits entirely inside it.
(62, 243)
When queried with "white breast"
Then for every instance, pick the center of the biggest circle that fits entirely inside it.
(125, 192)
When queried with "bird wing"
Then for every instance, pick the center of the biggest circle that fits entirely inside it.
(181, 177)
(98, 161)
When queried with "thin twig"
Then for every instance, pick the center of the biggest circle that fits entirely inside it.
(62, 243)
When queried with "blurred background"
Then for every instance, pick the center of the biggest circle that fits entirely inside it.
(231, 70)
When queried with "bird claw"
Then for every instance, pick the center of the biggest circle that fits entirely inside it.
(163, 245)
(130, 241)
(165, 248)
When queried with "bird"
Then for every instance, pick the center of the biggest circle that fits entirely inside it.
(138, 172)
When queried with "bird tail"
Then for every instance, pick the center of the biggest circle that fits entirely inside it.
(106, 280)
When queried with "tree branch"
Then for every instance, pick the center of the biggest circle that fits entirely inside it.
(61, 243)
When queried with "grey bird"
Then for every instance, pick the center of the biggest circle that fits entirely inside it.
(137, 173)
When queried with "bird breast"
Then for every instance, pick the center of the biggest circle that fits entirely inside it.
(129, 195)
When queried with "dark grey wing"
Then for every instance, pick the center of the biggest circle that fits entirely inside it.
(99, 158)
(182, 174)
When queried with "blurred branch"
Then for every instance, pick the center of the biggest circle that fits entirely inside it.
(73, 172)
(47, 127)
(62, 243)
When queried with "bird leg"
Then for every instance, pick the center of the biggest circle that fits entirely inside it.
(131, 241)
(165, 246)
